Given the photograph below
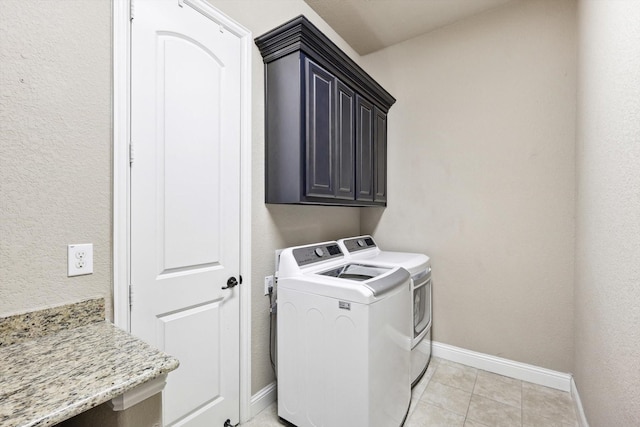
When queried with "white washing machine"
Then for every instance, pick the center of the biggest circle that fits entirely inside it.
(364, 249)
(343, 341)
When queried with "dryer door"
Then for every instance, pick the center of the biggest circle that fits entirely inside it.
(421, 300)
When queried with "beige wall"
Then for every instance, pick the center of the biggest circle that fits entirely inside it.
(278, 226)
(607, 290)
(55, 150)
(481, 176)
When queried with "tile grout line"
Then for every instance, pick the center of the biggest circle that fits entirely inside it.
(466, 415)
(429, 403)
(474, 393)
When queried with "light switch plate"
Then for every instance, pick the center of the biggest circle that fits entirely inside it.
(80, 259)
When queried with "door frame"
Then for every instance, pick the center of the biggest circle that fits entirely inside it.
(122, 11)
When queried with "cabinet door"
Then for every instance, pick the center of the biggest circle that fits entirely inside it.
(345, 150)
(380, 156)
(364, 149)
(320, 140)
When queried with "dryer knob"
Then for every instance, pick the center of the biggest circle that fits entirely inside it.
(361, 243)
(319, 252)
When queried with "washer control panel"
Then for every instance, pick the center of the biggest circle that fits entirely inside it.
(310, 254)
(359, 243)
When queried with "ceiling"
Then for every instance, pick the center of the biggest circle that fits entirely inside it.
(370, 25)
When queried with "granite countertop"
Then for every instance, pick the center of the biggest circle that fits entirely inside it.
(47, 379)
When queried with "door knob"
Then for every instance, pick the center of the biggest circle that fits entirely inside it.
(231, 283)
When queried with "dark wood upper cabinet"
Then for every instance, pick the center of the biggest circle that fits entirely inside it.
(345, 142)
(326, 122)
(380, 158)
(364, 150)
(320, 139)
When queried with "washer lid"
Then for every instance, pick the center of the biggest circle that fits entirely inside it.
(413, 262)
(365, 273)
(364, 248)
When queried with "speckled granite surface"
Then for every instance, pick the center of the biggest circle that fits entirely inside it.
(49, 379)
(19, 327)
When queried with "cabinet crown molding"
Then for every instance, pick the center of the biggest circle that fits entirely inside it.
(299, 34)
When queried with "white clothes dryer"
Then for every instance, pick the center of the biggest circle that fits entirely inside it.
(343, 341)
(364, 249)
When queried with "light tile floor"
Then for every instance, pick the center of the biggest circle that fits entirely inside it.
(455, 395)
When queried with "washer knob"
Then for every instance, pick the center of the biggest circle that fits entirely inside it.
(319, 252)
(361, 243)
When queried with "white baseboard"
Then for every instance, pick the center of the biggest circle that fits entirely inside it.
(262, 399)
(506, 367)
(577, 405)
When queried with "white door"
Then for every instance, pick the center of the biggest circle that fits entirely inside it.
(185, 204)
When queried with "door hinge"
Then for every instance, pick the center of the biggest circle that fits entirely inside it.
(131, 10)
(131, 153)
(130, 297)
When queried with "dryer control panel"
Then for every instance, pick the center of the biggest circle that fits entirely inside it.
(310, 254)
(359, 243)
